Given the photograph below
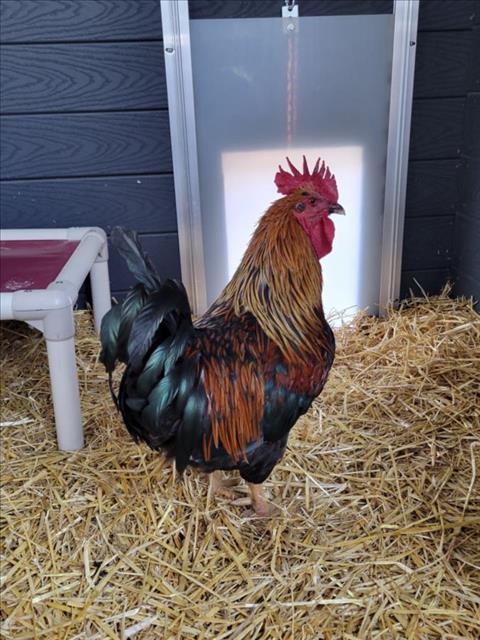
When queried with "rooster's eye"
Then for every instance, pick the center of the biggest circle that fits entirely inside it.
(300, 207)
(312, 200)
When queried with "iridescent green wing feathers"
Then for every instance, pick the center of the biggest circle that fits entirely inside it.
(149, 332)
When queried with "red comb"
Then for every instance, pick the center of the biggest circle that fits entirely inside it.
(320, 179)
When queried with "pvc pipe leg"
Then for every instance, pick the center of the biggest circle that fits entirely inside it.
(65, 393)
(100, 284)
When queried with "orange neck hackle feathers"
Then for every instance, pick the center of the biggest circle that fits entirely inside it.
(279, 282)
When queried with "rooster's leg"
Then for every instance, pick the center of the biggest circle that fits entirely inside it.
(259, 503)
(221, 486)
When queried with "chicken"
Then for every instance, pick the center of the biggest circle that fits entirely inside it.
(223, 392)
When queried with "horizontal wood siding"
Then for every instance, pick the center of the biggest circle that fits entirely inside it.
(467, 238)
(79, 20)
(82, 77)
(446, 44)
(443, 64)
(432, 188)
(131, 201)
(446, 15)
(466, 267)
(437, 128)
(47, 146)
(432, 238)
(84, 122)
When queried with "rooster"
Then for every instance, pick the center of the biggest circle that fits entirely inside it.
(223, 392)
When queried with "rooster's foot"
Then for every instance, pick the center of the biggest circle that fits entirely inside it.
(259, 503)
(222, 486)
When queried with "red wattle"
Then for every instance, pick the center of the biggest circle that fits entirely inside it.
(322, 234)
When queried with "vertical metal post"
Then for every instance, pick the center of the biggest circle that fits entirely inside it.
(178, 69)
(401, 94)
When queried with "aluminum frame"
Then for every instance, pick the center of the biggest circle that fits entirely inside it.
(181, 109)
(398, 145)
(178, 64)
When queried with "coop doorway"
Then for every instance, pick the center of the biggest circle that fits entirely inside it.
(250, 85)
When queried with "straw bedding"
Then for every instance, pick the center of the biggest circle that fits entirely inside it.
(378, 528)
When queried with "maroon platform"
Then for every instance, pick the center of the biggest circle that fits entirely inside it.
(32, 264)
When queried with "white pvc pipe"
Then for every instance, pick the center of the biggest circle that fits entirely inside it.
(6, 306)
(77, 233)
(101, 299)
(73, 234)
(80, 262)
(33, 234)
(65, 394)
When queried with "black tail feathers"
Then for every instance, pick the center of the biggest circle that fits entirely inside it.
(151, 308)
(128, 246)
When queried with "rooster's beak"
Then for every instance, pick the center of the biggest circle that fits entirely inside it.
(337, 208)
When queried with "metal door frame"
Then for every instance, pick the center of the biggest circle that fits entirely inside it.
(178, 68)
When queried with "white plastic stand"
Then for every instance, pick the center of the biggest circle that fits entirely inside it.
(100, 285)
(51, 311)
(65, 394)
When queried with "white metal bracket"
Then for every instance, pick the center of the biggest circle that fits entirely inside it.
(290, 17)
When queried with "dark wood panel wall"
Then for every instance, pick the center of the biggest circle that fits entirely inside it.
(85, 136)
(84, 123)
(466, 242)
(446, 82)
